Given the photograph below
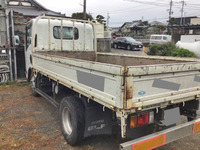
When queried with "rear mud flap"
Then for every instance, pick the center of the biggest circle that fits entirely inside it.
(98, 122)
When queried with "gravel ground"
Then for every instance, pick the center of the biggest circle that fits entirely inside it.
(27, 122)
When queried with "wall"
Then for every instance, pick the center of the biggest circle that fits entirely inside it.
(3, 24)
(195, 21)
(190, 38)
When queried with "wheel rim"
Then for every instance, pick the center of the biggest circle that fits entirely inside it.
(115, 46)
(66, 120)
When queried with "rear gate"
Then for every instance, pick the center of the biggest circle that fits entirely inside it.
(154, 89)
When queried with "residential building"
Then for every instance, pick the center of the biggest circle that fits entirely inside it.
(134, 27)
(190, 26)
(14, 14)
(156, 27)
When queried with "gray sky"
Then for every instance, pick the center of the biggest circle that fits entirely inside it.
(121, 11)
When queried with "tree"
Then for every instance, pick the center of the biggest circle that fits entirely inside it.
(172, 22)
(146, 23)
(158, 29)
(80, 15)
(100, 19)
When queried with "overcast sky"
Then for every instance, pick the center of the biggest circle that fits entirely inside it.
(121, 11)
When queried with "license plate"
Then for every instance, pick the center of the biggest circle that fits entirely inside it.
(171, 116)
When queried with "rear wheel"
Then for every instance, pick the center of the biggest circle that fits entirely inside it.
(129, 47)
(115, 46)
(72, 118)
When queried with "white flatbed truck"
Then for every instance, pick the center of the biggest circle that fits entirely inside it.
(145, 95)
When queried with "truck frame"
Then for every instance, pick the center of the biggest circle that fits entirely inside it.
(95, 90)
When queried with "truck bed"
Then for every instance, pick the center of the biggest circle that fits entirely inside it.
(122, 60)
(123, 81)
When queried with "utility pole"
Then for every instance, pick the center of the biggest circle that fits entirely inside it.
(108, 17)
(170, 10)
(170, 15)
(84, 9)
(182, 11)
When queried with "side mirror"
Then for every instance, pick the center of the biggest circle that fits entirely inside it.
(16, 40)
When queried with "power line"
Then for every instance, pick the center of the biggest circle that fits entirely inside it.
(149, 3)
(122, 10)
(175, 6)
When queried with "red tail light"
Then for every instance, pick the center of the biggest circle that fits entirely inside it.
(142, 119)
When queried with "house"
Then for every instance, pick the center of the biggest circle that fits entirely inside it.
(134, 27)
(115, 29)
(125, 27)
(195, 22)
(181, 21)
(156, 27)
(156, 23)
(13, 17)
(190, 26)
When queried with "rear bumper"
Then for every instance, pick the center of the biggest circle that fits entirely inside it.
(163, 137)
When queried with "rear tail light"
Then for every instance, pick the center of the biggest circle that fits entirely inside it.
(141, 119)
(133, 121)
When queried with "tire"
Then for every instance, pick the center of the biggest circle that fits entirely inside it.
(72, 119)
(33, 83)
(115, 46)
(129, 47)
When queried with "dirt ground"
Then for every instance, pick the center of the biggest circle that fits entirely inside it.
(27, 122)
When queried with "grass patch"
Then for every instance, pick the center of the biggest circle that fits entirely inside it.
(10, 83)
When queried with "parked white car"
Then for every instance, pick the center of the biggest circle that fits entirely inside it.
(160, 39)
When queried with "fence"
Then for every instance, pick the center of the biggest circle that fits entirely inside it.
(4, 66)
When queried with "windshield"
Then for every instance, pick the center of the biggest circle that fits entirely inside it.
(130, 39)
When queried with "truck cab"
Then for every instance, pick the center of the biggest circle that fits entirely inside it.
(57, 35)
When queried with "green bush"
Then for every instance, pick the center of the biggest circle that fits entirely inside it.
(180, 52)
(162, 49)
(169, 49)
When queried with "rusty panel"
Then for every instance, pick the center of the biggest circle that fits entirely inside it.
(132, 61)
(90, 56)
